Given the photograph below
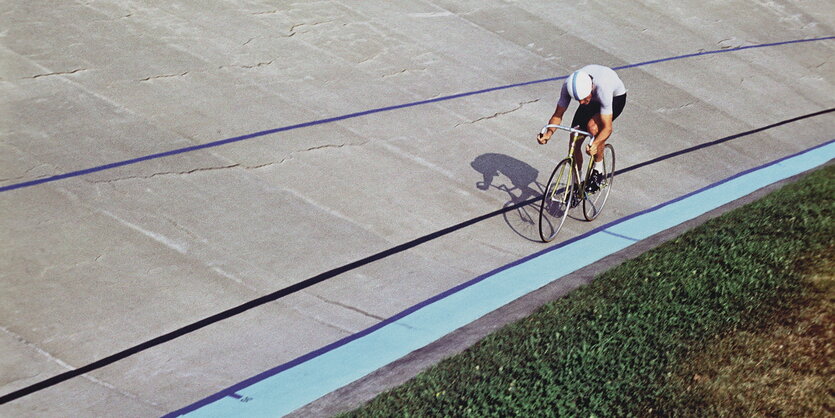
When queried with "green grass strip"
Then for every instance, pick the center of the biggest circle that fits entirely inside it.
(613, 347)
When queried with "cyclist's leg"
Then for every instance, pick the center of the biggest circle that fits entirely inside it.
(594, 128)
(584, 113)
(595, 122)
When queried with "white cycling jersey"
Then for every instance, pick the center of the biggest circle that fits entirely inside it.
(607, 85)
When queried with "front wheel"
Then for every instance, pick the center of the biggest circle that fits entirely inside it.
(594, 201)
(557, 201)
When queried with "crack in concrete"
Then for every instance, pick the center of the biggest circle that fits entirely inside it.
(673, 109)
(225, 167)
(248, 66)
(293, 28)
(404, 71)
(348, 307)
(327, 146)
(323, 322)
(292, 155)
(76, 71)
(10, 179)
(497, 114)
(256, 65)
(169, 173)
(382, 52)
(155, 77)
(501, 250)
(26, 174)
(726, 46)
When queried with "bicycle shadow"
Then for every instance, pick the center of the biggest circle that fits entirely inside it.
(523, 187)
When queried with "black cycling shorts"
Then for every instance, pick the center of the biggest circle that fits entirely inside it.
(584, 113)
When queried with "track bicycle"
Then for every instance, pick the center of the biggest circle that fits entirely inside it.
(565, 190)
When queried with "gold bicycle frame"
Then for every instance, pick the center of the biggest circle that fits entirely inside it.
(573, 173)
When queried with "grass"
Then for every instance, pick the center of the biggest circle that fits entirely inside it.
(781, 370)
(687, 328)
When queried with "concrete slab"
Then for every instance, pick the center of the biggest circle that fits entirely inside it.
(97, 263)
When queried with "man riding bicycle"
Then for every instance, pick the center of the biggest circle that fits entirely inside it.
(602, 97)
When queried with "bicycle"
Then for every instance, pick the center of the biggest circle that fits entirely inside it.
(565, 191)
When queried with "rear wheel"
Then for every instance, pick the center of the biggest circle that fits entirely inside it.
(557, 201)
(594, 202)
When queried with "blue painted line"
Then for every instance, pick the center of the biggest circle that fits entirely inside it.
(366, 113)
(290, 386)
(719, 51)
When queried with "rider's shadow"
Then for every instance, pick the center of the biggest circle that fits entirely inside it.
(496, 169)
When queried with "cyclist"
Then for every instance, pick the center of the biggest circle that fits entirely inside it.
(602, 97)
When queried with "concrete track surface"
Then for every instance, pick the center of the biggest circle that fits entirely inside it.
(116, 255)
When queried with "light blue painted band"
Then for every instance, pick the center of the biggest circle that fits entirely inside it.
(290, 389)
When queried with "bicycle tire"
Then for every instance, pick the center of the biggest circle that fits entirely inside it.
(556, 201)
(593, 202)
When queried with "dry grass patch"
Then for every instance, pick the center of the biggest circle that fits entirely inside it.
(783, 370)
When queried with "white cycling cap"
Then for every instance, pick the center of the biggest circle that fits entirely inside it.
(578, 85)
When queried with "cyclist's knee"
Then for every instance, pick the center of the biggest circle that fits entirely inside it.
(593, 128)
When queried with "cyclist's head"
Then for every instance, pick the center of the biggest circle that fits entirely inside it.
(578, 85)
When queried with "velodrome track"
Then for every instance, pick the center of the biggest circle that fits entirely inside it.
(192, 196)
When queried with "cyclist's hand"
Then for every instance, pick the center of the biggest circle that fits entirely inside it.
(591, 149)
(543, 138)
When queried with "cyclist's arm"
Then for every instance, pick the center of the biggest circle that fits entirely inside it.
(556, 119)
(606, 129)
(603, 133)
